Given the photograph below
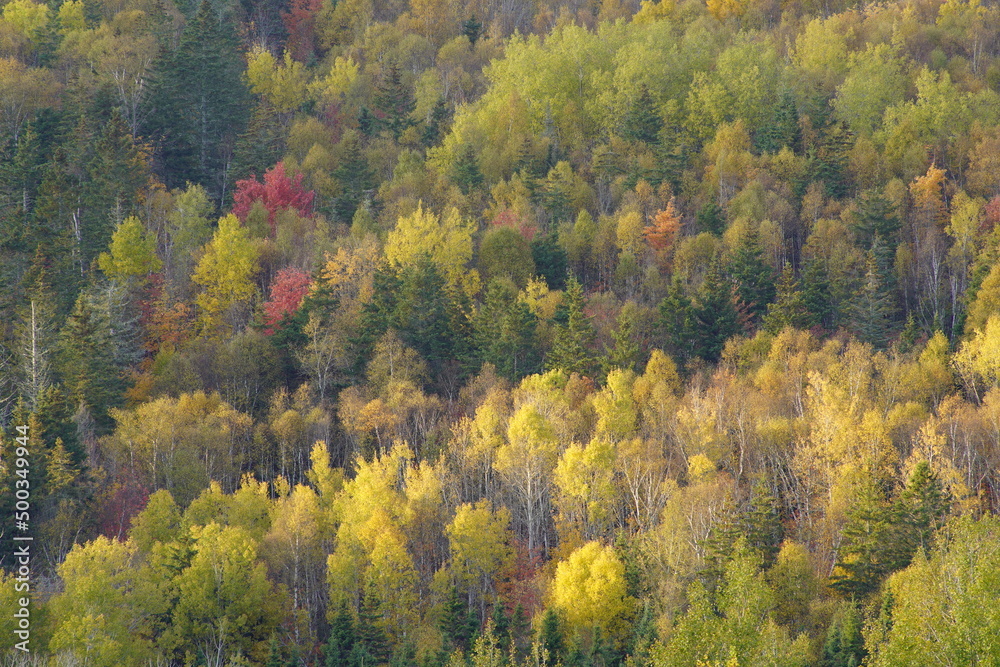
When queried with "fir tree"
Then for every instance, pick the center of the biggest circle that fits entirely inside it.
(715, 316)
(642, 121)
(754, 278)
(844, 645)
(199, 104)
(371, 646)
(677, 322)
(454, 621)
(574, 339)
(355, 177)
(550, 260)
(341, 641)
(873, 309)
(866, 552)
(466, 172)
(919, 512)
(789, 306)
(551, 638)
(434, 126)
(710, 218)
(394, 101)
(505, 332)
(762, 522)
(816, 295)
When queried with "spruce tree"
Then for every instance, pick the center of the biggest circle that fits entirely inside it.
(789, 306)
(550, 260)
(466, 172)
(867, 551)
(394, 101)
(762, 522)
(642, 121)
(754, 278)
(505, 332)
(873, 308)
(199, 104)
(919, 512)
(551, 638)
(571, 350)
(341, 641)
(715, 316)
(371, 645)
(677, 323)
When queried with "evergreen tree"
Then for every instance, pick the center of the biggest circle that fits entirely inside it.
(868, 550)
(844, 645)
(678, 324)
(371, 646)
(394, 101)
(454, 621)
(710, 218)
(571, 349)
(754, 278)
(830, 160)
(86, 362)
(260, 146)
(504, 330)
(550, 260)
(876, 217)
(782, 130)
(762, 522)
(715, 316)
(624, 353)
(341, 642)
(472, 28)
(873, 309)
(816, 295)
(466, 172)
(199, 104)
(789, 306)
(355, 177)
(642, 121)
(434, 126)
(919, 512)
(551, 638)
(422, 313)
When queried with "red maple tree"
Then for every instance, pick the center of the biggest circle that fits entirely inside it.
(290, 286)
(277, 192)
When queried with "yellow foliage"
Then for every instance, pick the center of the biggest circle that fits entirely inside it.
(27, 17)
(282, 85)
(338, 80)
(589, 588)
(446, 241)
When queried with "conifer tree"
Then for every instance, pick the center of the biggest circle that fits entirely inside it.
(677, 323)
(394, 100)
(571, 350)
(753, 277)
(641, 121)
(550, 260)
(199, 104)
(341, 642)
(789, 307)
(715, 316)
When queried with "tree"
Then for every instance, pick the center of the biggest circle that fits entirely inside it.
(589, 588)
(446, 240)
(571, 350)
(132, 255)
(340, 645)
(928, 617)
(753, 277)
(276, 193)
(393, 100)
(288, 290)
(715, 316)
(225, 272)
(200, 103)
(225, 602)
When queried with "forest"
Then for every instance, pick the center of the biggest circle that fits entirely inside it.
(499, 333)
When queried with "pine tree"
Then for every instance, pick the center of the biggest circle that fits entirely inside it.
(574, 339)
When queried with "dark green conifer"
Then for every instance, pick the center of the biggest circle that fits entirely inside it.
(571, 350)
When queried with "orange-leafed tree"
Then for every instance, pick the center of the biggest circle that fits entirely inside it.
(661, 234)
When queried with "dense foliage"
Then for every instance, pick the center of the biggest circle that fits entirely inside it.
(520, 333)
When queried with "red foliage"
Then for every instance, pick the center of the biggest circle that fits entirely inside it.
(117, 506)
(662, 232)
(277, 192)
(992, 217)
(507, 218)
(290, 286)
(300, 22)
